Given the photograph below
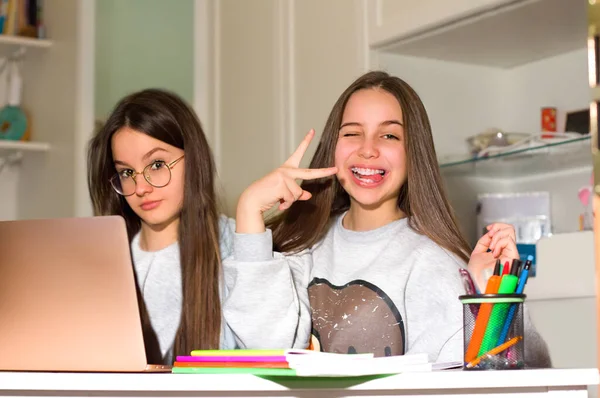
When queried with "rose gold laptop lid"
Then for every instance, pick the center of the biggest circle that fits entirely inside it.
(67, 297)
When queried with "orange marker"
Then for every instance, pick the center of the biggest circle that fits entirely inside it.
(485, 309)
(495, 351)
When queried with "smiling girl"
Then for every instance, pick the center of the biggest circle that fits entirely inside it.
(368, 260)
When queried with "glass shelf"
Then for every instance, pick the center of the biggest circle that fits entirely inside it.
(544, 158)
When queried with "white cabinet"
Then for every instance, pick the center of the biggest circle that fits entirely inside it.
(392, 20)
(496, 33)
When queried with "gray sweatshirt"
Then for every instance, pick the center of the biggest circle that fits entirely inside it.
(159, 279)
(389, 291)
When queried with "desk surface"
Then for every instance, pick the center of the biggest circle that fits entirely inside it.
(437, 380)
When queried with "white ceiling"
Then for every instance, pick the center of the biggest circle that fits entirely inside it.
(505, 38)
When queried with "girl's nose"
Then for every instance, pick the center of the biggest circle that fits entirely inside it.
(142, 187)
(368, 149)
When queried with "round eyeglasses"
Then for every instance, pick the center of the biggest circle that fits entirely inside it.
(157, 174)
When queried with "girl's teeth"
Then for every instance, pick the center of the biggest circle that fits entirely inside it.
(368, 176)
(363, 171)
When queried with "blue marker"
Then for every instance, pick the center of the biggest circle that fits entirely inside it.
(524, 275)
(513, 307)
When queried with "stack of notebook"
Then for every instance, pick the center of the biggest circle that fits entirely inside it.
(305, 363)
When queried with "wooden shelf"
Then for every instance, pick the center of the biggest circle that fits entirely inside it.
(516, 34)
(24, 41)
(25, 146)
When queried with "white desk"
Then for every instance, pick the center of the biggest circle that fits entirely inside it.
(449, 383)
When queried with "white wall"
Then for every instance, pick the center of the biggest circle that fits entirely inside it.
(9, 201)
(247, 65)
(462, 193)
(560, 82)
(461, 100)
(329, 56)
(142, 44)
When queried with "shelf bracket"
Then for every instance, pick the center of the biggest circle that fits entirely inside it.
(10, 159)
(18, 54)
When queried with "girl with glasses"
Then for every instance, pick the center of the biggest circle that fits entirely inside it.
(151, 164)
(365, 256)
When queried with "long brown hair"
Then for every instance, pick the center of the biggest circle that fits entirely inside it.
(422, 198)
(166, 117)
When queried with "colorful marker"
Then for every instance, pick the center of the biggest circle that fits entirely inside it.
(513, 308)
(485, 309)
(500, 310)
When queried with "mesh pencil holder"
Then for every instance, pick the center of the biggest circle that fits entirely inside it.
(493, 331)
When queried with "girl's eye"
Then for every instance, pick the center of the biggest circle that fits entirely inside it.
(390, 137)
(126, 173)
(349, 134)
(157, 165)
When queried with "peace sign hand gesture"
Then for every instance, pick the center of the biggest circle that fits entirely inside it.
(279, 186)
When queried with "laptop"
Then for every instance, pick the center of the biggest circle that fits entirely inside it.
(68, 297)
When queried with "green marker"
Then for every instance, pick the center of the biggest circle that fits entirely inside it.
(508, 285)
